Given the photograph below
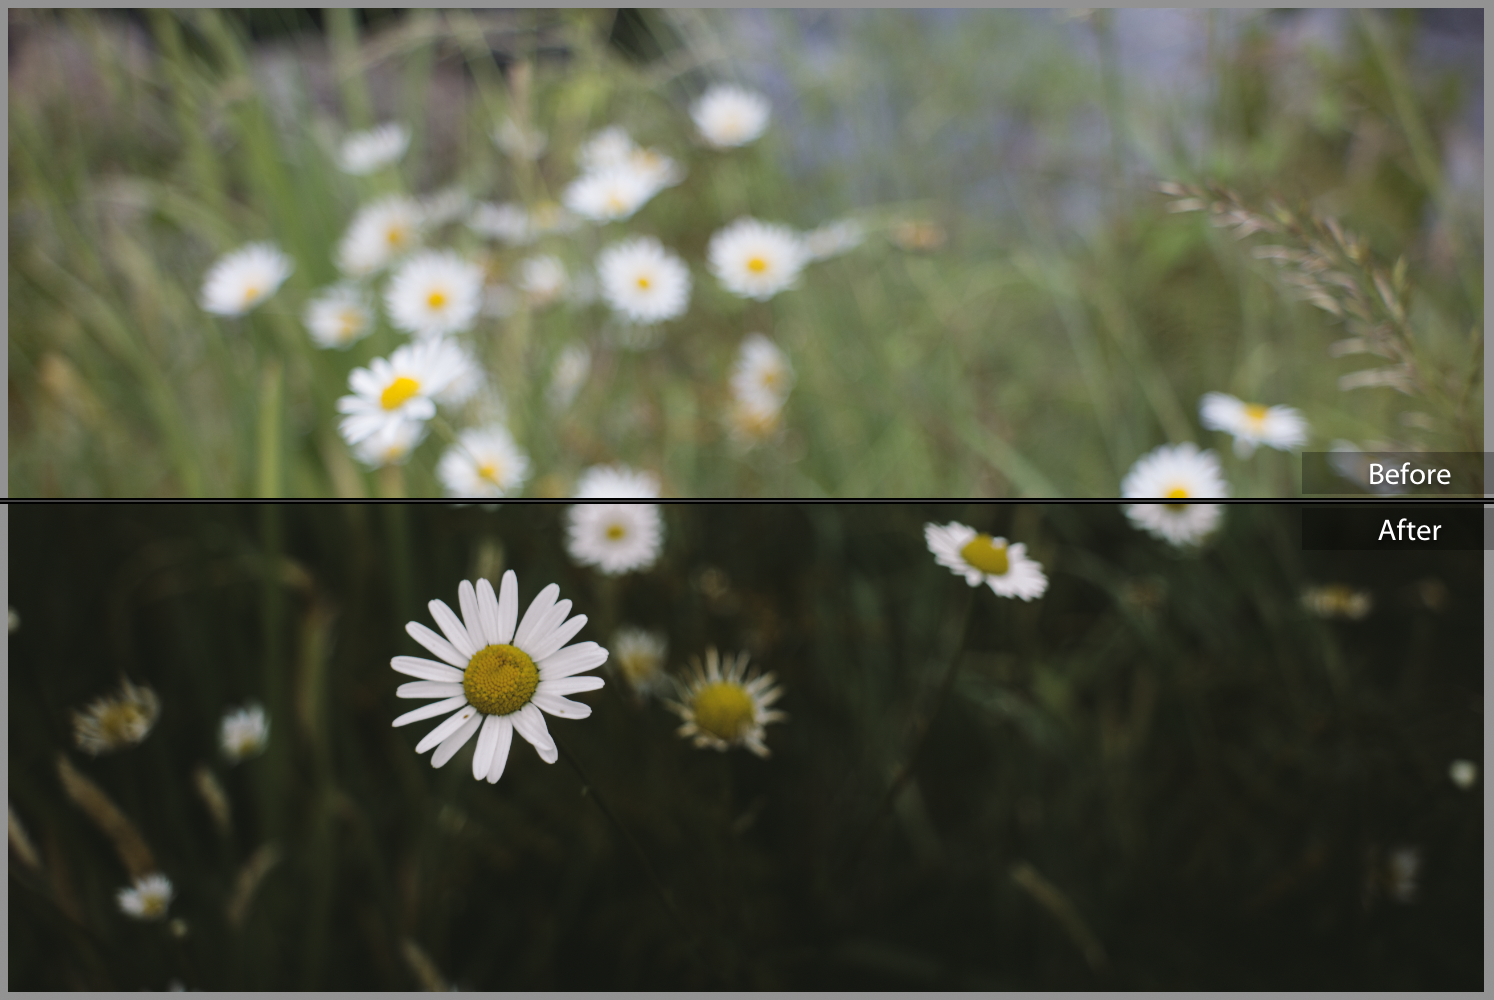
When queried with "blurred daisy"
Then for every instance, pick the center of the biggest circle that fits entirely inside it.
(468, 383)
(243, 279)
(364, 152)
(639, 657)
(543, 279)
(498, 673)
(724, 706)
(444, 206)
(391, 444)
(518, 142)
(654, 167)
(508, 222)
(1462, 772)
(615, 537)
(980, 558)
(606, 149)
(485, 462)
(116, 722)
(762, 372)
(753, 421)
(1176, 472)
(400, 389)
(609, 195)
(616, 482)
(1252, 424)
(244, 732)
(381, 232)
(919, 235)
(1338, 600)
(643, 281)
(148, 899)
(1402, 871)
(730, 116)
(339, 316)
(833, 239)
(433, 293)
(756, 260)
(571, 369)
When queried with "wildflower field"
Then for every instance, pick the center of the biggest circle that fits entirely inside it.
(475, 254)
(605, 746)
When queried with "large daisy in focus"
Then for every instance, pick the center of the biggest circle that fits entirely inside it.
(497, 673)
(756, 260)
(980, 558)
(435, 293)
(615, 537)
(1177, 473)
(1252, 424)
(724, 706)
(243, 279)
(643, 281)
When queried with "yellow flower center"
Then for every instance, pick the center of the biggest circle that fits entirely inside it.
(615, 202)
(1255, 413)
(396, 236)
(436, 299)
(398, 393)
(488, 471)
(251, 292)
(152, 905)
(987, 555)
(757, 265)
(122, 723)
(350, 321)
(643, 281)
(724, 710)
(638, 666)
(1177, 493)
(616, 532)
(500, 680)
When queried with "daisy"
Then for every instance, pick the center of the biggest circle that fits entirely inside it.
(381, 232)
(615, 537)
(244, 732)
(730, 116)
(643, 281)
(543, 279)
(116, 722)
(433, 293)
(1176, 472)
(616, 482)
(241, 280)
(499, 673)
(571, 369)
(762, 372)
(979, 558)
(658, 170)
(753, 421)
(485, 462)
(518, 142)
(756, 260)
(147, 899)
(338, 317)
(606, 149)
(639, 657)
(364, 152)
(1462, 772)
(400, 389)
(834, 239)
(609, 195)
(725, 706)
(390, 444)
(1253, 424)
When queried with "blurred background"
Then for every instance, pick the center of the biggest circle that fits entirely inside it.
(1025, 315)
(1248, 767)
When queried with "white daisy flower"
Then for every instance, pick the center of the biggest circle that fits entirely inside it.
(148, 899)
(435, 292)
(444, 206)
(1253, 424)
(756, 260)
(730, 116)
(606, 149)
(519, 143)
(244, 732)
(508, 223)
(762, 372)
(391, 444)
(364, 152)
(543, 279)
(243, 279)
(753, 421)
(485, 462)
(609, 195)
(1176, 472)
(339, 316)
(571, 369)
(117, 722)
(658, 170)
(724, 706)
(615, 537)
(380, 233)
(834, 239)
(980, 558)
(1464, 773)
(401, 388)
(616, 482)
(639, 657)
(643, 281)
(498, 673)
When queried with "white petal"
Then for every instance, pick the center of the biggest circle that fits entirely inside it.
(456, 740)
(540, 632)
(445, 729)
(538, 608)
(508, 607)
(572, 660)
(570, 685)
(558, 637)
(433, 642)
(428, 670)
(432, 710)
(467, 597)
(455, 631)
(563, 707)
(428, 689)
(482, 760)
(531, 725)
(487, 613)
(500, 751)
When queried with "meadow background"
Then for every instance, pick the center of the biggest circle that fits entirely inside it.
(1163, 774)
(1025, 318)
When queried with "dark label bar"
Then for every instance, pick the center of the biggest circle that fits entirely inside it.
(1392, 528)
(1394, 473)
